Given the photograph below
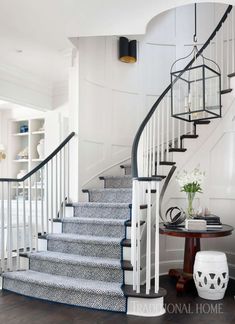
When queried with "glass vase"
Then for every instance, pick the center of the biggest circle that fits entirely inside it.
(190, 210)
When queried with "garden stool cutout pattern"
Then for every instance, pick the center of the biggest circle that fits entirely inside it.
(211, 274)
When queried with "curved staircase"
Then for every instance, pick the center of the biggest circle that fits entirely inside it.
(106, 254)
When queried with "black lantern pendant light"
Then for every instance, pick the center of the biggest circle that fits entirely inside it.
(196, 90)
(127, 50)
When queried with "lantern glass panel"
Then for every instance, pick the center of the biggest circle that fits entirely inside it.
(195, 93)
(212, 92)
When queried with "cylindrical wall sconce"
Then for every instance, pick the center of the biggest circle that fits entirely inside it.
(127, 50)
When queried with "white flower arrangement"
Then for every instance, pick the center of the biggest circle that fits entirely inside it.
(191, 181)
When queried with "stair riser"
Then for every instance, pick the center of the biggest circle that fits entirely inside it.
(67, 296)
(86, 249)
(111, 197)
(82, 271)
(127, 170)
(94, 229)
(118, 183)
(91, 212)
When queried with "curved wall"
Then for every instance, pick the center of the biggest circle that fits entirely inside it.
(114, 96)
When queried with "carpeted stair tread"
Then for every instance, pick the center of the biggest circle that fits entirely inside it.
(102, 210)
(100, 221)
(124, 181)
(100, 204)
(76, 259)
(110, 195)
(49, 280)
(84, 238)
(95, 226)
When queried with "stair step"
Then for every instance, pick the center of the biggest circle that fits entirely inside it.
(127, 266)
(226, 91)
(63, 289)
(126, 243)
(76, 266)
(102, 210)
(231, 75)
(110, 195)
(94, 226)
(128, 223)
(117, 181)
(127, 168)
(167, 163)
(188, 136)
(177, 150)
(129, 292)
(201, 122)
(86, 245)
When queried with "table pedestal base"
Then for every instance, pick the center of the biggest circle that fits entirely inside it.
(185, 277)
(184, 281)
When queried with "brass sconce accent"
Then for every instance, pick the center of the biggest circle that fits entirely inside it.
(2, 152)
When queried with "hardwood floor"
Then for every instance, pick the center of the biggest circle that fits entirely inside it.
(185, 309)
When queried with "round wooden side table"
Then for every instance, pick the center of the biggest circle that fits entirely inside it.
(192, 246)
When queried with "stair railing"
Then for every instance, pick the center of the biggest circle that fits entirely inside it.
(157, 137)
(29, 204)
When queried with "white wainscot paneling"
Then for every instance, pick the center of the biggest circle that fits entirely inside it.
(161, 29)
(158, 61)
(93, 155)
(93, 58)
(123, 76)
(93, 115)
(222, 166)
(125, 117)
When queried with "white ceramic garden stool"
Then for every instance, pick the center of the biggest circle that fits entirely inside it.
(210, 274)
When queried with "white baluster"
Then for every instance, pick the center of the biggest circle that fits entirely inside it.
(36, 211)
(162, 133)
(227, 49)
(56, 185)
(233, 42)
(133, 230)
(24, 219)
(222, 57)
(154, 143)
(158, 141)
(2, 229)
(47, 200)
(64, 182)
(9, 228)
(52, 197)
(30, 216)
(167, 127)
(148, 238)
(138, 237)
(157, 240)
(68, 173)
(17, 228)
(42, 201)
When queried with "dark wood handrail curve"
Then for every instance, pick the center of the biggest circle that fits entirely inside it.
(134, 162)
(44, 162)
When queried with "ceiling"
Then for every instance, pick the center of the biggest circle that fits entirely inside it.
(34, 35)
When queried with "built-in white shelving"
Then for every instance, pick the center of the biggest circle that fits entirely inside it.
(26, 142)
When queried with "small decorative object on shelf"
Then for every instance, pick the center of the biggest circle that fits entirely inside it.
(191, 184)
(24, 129)
(23, 155)
(41, 129)
(21, 174)
(40, 149)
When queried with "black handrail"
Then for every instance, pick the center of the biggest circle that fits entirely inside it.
(44, 162)
(134, 165)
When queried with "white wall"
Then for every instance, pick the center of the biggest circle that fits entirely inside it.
(114, 96)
